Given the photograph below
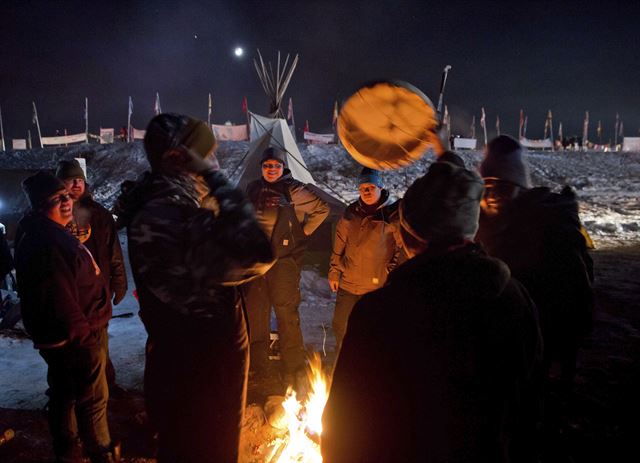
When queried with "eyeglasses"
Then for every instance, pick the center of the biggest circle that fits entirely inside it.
(275, 165)
(59, 199)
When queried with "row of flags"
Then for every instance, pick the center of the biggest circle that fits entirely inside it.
(522, 127)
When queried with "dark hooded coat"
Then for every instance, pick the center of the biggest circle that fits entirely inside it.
(102, 241)
(539, 238)
(433, 365)
(63, 294)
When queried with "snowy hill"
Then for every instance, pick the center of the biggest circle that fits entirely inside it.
(608, 184)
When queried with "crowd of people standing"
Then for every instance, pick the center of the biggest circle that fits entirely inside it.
(456, 307)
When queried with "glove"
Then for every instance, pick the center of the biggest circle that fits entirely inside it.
(118, 295)
(183, 159)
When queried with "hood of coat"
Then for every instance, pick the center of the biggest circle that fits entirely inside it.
(151, 186)
(463, 273)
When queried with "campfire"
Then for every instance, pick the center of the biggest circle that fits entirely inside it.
(287, 429)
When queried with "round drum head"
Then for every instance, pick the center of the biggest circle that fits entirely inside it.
(386, 125)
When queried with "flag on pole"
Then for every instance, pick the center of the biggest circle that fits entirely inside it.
(585, 129)
(290, 109)
(524, 127)
(560, 132)
(521, 124)
(245, 106)
(483, 124)
(129, 120)
(498, 125)
(156, 107)
(209, 110)
(334, 117)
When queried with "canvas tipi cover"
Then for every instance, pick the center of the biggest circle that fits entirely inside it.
(264, 133)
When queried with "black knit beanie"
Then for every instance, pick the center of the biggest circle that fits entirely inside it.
(275, 154)
(167, 131)
(503, 161)
(40, 187)
(69, 170)
(443, 205)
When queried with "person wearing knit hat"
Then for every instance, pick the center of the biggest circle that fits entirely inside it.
(93, 226)
(66, 307)
(177, 143)
(188, 260)
(538, 234)
(434, 349)
(365, 249)
(442, 207)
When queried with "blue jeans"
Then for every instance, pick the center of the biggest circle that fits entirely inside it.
(78, 396)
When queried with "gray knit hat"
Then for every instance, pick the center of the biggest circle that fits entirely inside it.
(443, 205)
(68, 170)
(503, 161)
(167, 130)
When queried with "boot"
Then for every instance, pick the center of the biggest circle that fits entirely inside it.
(112, 455)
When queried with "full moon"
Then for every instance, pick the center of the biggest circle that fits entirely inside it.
(238, 51)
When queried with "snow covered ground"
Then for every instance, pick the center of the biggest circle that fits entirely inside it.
(608, 186)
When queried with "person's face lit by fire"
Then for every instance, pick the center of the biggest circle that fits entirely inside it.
(272, 170)
(76, 187)
(497, 196)
(59, 207)
(369, 193)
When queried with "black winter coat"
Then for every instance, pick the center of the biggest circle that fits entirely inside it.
(433, 365)
(539, 238)
(103, 241)
(63, 294)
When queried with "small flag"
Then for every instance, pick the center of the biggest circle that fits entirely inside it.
(130, 106)
(560, 132)
(245, 106)
(306, 126)
(521, 123)
(482, 118)
(585, 128)
(334, 117)
(498, 125)
(156, 106)
(290, 110)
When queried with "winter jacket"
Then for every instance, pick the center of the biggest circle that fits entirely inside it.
(64, 295)
(433, 363)
(287, 211)
(365, 249)
(539, 238)
(186, 259)
(94, 226)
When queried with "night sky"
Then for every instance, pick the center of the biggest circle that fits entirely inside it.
(565, 56)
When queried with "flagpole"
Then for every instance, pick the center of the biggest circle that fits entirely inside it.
(2, 131)
(35, 115)
(86, 118)
(484, 126)
(129, 121)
